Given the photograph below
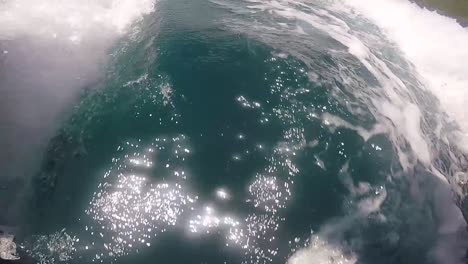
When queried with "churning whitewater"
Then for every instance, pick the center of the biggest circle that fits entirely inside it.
(221, 131)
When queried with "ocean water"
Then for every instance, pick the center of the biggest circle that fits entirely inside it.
(246, 131)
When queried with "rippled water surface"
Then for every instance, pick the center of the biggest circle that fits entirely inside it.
(248, 131)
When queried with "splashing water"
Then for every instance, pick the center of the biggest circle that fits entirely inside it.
(72, 20)
(229, 130)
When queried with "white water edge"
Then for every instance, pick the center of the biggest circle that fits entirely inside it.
(75, 21)
(435, 44)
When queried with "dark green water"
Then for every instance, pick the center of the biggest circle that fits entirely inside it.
(206, 144)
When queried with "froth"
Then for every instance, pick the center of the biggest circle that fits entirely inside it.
(72, 20)
(435, 44)
(320, 251)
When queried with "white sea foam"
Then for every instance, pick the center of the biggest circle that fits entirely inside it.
(320, 251)
(72, 20)
(435, 44)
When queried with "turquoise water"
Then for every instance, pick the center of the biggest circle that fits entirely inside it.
(218, 135)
